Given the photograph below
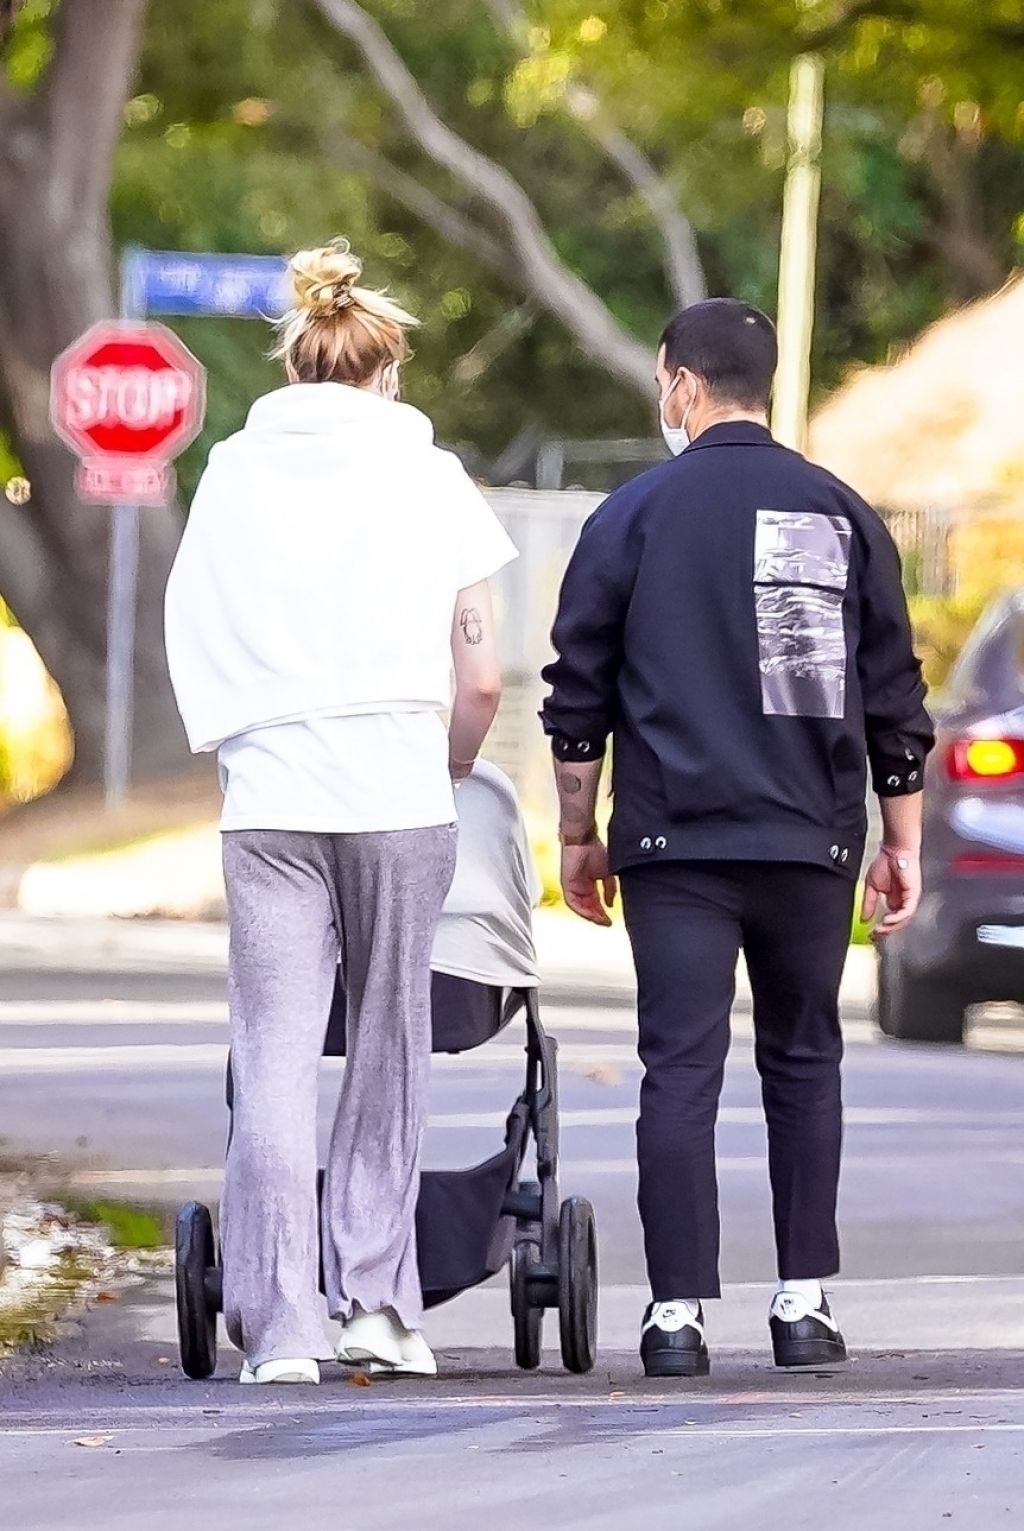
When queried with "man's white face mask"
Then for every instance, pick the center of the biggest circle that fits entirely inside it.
(677, 438)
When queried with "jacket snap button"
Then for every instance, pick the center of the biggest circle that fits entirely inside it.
(645, 843)
(833, 851)
(845, 856)
(584, 749)
(661, 842)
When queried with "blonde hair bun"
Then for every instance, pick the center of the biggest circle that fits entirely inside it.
(322, 280)
(336, 331)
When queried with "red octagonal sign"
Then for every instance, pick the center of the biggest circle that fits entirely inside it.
(127, 397)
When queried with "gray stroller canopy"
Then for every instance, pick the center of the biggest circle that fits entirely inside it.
(486, 933)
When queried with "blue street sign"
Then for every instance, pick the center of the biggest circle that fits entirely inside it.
(183, 282)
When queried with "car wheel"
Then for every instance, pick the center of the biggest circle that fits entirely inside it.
(916, 1007)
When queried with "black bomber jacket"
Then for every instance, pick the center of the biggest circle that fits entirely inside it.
(735, 619)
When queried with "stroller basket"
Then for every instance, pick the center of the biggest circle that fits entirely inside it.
(463, 1232)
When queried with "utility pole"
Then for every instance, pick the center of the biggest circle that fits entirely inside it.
(798, 251)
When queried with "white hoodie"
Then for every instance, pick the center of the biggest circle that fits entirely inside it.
(318, 571)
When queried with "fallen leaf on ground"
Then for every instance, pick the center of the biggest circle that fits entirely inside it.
(107, 1297)
(360, 1379)
(604, 1073)
(163, 1360)
(93, 1440)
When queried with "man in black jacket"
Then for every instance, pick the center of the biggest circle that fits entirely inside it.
(735, 619)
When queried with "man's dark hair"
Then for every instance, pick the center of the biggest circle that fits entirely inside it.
(730, 344)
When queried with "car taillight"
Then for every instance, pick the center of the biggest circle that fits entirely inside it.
(986, 759)
(981, 863)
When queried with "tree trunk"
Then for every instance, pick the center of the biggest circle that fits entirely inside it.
(55, 157)
(974, 264)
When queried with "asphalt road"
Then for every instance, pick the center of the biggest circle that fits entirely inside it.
(112, 1062)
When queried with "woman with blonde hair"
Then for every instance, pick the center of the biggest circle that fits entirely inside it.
(332, 576)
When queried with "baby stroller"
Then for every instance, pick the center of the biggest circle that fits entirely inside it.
(470, 1223)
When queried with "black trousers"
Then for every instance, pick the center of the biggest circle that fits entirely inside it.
(687, 922)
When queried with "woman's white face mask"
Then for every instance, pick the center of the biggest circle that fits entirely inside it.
(677, 438)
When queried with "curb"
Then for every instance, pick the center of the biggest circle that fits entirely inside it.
(572, 955)
(174, 876)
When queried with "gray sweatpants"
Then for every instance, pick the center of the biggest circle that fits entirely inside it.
(295, 902)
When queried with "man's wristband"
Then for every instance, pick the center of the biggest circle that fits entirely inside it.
(577, 837)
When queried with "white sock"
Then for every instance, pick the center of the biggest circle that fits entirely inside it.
(810, 1291)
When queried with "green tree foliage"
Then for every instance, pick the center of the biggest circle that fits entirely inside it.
(241, 133)
(924, 151)
(236, 140)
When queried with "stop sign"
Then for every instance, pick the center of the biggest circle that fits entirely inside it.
(127, 398)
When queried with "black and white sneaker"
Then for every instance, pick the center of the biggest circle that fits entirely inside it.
(672, 1342)
(803, 1335)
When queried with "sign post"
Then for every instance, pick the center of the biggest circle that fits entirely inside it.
(127, 397)
(122, 617)
(122, 604)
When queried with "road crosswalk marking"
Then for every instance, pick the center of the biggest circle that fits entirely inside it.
(208, 1179)
(562, 1020)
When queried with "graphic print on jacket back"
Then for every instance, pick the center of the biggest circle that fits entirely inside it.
(801, 568)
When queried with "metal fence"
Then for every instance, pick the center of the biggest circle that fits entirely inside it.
(968, 552)
(607, 462)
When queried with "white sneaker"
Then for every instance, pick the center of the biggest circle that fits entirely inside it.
(418, 1360)
(285, 1370)
(371, 1337)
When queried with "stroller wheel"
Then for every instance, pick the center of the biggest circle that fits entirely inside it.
(577, 1284)
(197, 1317)
(527, 1320)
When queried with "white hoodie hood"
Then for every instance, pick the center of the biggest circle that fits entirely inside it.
(318, 571)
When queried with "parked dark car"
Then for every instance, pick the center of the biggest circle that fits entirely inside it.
(966, 944)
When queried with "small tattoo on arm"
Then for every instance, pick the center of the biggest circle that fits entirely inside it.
(572, 785)
(472, 624)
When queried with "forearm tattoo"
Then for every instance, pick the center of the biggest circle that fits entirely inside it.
(573, 816)
(472, 624)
